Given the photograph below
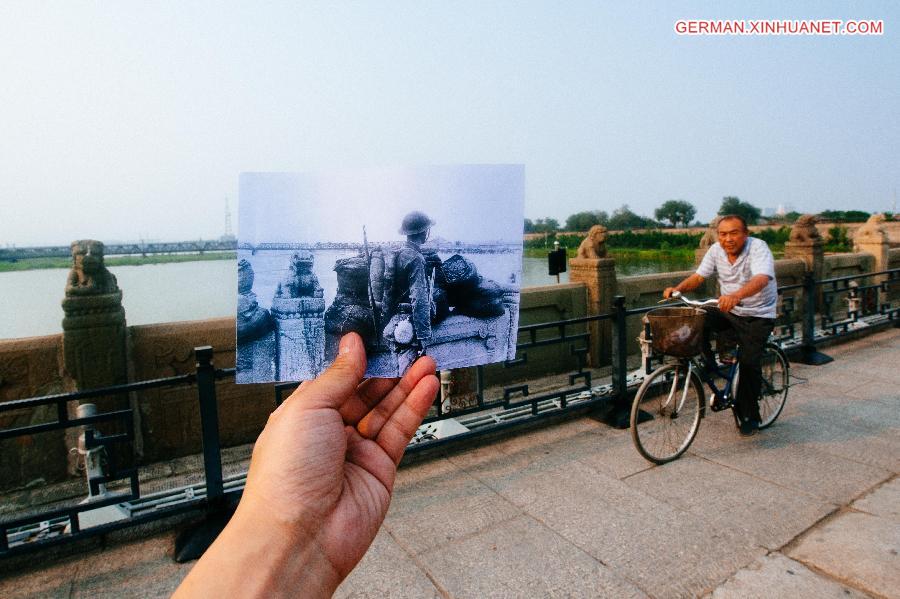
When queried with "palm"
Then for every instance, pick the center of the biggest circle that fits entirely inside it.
(326, 462)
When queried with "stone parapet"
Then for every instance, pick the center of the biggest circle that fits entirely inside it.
(29, 367)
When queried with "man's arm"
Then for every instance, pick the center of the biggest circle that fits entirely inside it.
(756, 284)
(689, 284)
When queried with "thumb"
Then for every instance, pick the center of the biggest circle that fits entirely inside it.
(332, 388)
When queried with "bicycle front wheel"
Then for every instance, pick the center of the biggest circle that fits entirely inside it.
(774, 388)
(673, 398)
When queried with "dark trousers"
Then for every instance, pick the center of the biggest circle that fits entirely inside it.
(751, 333)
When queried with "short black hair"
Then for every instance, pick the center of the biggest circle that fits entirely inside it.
(736, 217)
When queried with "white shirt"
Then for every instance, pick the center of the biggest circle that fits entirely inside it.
(755, 259)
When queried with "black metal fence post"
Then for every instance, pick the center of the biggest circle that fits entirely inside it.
(192, 542)
(209, 424)
(620, 415)
(808, 352)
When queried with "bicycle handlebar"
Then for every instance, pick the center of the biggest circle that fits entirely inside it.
(699, 304)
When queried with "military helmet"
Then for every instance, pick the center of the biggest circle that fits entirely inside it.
(415, 222)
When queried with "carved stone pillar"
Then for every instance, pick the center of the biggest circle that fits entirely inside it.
(806, 244)
(94, 323)
(255, 357)
(299, 337)
(94, 334)
(873, 239)
(599, 276)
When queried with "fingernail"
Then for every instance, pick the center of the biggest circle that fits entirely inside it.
(345, 345)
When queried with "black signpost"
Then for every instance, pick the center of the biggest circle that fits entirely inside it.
(556, 260)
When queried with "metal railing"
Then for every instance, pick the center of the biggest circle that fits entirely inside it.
(35, 530)
(869, 307)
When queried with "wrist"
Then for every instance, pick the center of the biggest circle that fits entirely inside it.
(289, 558)
(257, 556)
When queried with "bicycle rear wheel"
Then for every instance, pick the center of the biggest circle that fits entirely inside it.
(674, 399)
(774, 389)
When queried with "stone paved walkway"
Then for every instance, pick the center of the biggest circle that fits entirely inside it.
(808, 508)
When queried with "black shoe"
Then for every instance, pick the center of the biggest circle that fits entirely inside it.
(749, 427)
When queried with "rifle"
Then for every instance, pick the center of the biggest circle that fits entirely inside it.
(375, 318)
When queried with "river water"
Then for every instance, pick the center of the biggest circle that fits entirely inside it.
(30, 301)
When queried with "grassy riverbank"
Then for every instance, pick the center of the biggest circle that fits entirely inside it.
(627, 253)
(40, 263)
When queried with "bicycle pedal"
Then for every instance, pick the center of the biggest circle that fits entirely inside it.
(717, 405)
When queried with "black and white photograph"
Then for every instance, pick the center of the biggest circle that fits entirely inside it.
(417, 260)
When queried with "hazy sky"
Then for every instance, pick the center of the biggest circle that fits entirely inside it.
(469, 203)
(123, 120)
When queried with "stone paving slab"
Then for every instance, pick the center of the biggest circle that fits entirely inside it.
(767, 514)
(612, 522)
(782, 456)
(775, 576)
(386, 571)
(861, 549)
(140, 569)
(883, 502)
(523, 558)
(436, 502)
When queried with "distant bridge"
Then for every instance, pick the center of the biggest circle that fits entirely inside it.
(441, 246)
(122, 249)
(200, 247)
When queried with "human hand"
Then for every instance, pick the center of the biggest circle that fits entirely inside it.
(320, 480)
(667, 292)
(727, 302)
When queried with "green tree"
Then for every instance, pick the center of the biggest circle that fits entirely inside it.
(734, 205)
(676, 212)
(623, 218)
(838, 239)
(582, 221)
(845, 216)
(545, 225)
(529, 225)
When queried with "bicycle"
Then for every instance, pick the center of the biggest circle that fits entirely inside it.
(670, 403)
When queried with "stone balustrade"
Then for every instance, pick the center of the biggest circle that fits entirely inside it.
(168, 420)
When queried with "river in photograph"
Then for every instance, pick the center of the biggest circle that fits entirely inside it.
(30, 300)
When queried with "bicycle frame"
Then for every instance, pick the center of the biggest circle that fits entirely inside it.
(727, 390)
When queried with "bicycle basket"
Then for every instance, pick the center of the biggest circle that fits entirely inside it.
(676, 331)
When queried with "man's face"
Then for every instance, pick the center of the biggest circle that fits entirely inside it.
(732, 236)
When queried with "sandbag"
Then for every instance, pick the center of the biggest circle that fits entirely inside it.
(456, 273)
(485, 300)
(342, 317)
(353, 279)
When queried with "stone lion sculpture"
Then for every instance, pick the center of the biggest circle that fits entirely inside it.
(872, 230)
(302, 282)
(711, 236)
(594, 245)
(804, 229)
(89, 275)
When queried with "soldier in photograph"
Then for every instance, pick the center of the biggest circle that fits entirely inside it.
(412, 281)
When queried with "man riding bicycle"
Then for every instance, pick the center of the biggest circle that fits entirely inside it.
(746, 310)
